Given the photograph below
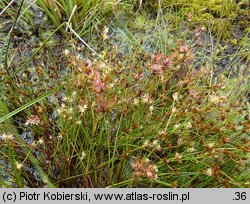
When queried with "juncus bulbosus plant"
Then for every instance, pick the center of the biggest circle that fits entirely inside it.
(146, 120)
(152, 120)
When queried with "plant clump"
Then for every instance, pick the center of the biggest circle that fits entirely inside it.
(157, 110)
(81, 15)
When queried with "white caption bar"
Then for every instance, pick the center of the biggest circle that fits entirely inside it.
(132, 195)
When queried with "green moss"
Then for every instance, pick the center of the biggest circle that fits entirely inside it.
(234, 41)
(217, 14)
(140, 21)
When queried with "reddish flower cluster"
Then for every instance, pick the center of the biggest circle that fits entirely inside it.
(97, 83)
(143, 169)
(160, 63)
(33, 120)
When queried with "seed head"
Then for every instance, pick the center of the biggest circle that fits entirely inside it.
(33, 120)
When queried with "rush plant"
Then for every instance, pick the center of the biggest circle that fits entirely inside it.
(80, 14)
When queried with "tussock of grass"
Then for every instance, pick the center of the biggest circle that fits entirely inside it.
(81, 15)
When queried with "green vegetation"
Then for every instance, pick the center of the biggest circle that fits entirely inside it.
(218, 15)
(81, 15)
(111, 102)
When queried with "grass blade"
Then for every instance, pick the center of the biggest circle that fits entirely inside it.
(9, 115)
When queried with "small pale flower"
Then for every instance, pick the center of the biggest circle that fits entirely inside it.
(78, 122)
(19, 165)
(203, 28)
(66, 52)
(33, 120)
(105, 29)
(189, 125)
(41, 141)
(45, 179)
(216, 99)
(146, 143)
(211, 144)
(193, 93)
(189, 17)
(80, 48)
(156, 168)
(209, 172)
(105, 33)
(83, 155)
(177, 126)
(222, 129)
(174, 110)
(7, 136)
(162, 79)
(70, 110)
(33, 144)
(104, 36)
(213, 98)
(78, 57)
(59, 137)
(162, 132)
(151, 172)
(183, 49)
(176, 96)
(178, 157)
(136, 101)
(179, 142)
(63, 105)
(40, 109)
(111, 85)
(151, 108)
(66, 98)
(191, 149)
(155, 142)
(158, 147)
(146, 98)
(82, 108)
